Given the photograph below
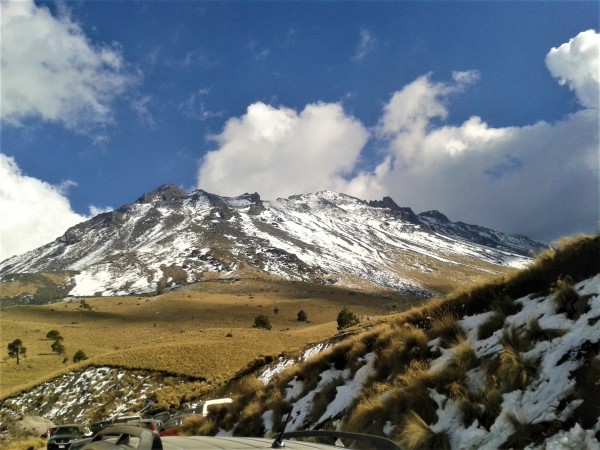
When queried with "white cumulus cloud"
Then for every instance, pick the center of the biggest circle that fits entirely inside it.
(540, 180)
(577, 65)
(52, 72)
(33, 212)
(280, 152)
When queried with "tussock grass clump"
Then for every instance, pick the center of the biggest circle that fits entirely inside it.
(416, 435)
(416, 373)
(567, 299)
(250, 421)
(444, 326)
(217, 416)
(464, 357)
(523, 433)
(506, 305)
(536, 333)
(494, 322)
(514, 370)
(193, 426)
(249, 402)
(511, 337)
(369, 415)
(484, 406)
(325, 396)
(578, 256)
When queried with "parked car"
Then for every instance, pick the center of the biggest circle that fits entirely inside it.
(173, 426)
(149, 424)
(95, 427)
(120, 420)
(64, 435)
(163, 416)
(49, 432)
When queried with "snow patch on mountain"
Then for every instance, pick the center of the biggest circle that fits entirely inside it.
(319, 237)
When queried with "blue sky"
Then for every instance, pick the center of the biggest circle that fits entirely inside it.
(485, 111)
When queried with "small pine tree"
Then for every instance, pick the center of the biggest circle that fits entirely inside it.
(57, 347)
(79, 356)
(15, 348)
(262, 321)
(276, 310)
(302, 316)
(83, 305)
(53, 334)
(346, 319)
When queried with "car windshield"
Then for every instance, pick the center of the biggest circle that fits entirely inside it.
(67, 430)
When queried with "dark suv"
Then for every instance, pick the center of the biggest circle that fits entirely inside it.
(64, 435)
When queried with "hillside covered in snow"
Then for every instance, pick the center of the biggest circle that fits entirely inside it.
(168, 238)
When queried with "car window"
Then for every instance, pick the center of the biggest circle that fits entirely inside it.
(67, 430)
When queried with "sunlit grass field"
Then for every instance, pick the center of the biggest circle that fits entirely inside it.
(202, 330)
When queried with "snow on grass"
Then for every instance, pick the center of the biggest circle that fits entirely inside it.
(346, 394)
(270, 371)
(547, 396)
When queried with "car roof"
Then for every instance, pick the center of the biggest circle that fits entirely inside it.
(233, 443)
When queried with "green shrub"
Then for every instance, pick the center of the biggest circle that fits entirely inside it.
(57, 347)
(79, 356)
(53, 334)
(302, 316)
(346, 319)
(262, 321)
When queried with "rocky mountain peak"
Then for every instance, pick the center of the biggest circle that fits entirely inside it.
(405, 213)
(435, 215)
(166, 192)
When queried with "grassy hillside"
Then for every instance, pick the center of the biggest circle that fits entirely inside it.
(202, 330)
(471, 361)
(34, 289)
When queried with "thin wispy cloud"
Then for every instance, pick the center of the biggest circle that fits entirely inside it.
(141, 106)
(198, 59)
(365, 46)
(258, 52)
(194, 107)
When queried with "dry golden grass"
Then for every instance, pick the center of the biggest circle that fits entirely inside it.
(30, 443)
(444, 277)
(514, 371)
(182, 332)
(14, 288)
(416, 435)
(369, 416)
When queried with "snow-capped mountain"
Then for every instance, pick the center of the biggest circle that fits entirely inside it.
(169, 237)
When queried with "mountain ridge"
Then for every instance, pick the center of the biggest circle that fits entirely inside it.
(168, 237)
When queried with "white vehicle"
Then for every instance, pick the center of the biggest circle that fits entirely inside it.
(216, 401)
